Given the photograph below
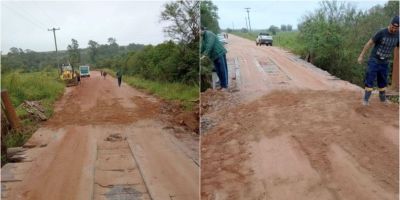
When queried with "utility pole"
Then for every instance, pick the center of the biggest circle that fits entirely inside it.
(248, 16)
(9, 110)
(55, 42)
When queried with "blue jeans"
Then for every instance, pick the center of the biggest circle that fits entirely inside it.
(377, 71)
(227, 72)
(222, 70)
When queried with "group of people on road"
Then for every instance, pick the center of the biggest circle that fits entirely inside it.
(103, 74)
(118, 74)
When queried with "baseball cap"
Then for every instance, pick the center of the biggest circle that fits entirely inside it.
(395, 21)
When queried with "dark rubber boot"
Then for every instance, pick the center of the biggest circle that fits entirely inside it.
(382, 96)
(367, 95)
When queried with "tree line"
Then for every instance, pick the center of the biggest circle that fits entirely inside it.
(272, 29)
(31, 61)
(333, 36)
(175, 60)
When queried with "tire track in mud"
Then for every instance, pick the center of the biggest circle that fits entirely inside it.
(117, 173)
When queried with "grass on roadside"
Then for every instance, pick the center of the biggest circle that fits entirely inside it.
(186, 94)
(34, 86)
(44, 86)
(394, 99)
(289, 41)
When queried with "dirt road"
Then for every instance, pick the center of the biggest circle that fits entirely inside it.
(293, 131)
(105, 142)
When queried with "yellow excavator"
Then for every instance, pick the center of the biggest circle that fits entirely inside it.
(69, 76)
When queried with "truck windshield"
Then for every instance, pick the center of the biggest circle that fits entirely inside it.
(84, 69)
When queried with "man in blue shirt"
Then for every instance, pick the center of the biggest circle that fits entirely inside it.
(384, 42)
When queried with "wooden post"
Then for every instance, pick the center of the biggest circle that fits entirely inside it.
(9, 110)
(395, 71)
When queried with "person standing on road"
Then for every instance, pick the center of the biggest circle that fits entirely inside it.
(104, 74)
(119, 76)
(384, 42)
(78, 76)
(214, 49)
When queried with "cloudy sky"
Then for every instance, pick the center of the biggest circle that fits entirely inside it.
(25, 24)
(265, 13)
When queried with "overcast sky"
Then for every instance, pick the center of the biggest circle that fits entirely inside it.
(265, 13)
(25, 24)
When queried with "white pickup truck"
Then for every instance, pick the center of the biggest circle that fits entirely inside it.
(264, 38)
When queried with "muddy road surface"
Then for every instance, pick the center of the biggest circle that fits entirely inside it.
(288, 130)
(106, 142)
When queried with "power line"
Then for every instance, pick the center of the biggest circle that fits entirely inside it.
(25, 18)
(30, 15)
(45, 13)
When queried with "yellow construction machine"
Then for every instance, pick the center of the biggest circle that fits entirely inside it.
(69, 76)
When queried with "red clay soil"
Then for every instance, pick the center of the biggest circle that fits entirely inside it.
(300, 143)
(97, 102)
(176, 114)
(296, 141)
(73, 158)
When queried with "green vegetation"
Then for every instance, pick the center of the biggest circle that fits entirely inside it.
(168, 91)
(39, 86)
(289, 40)
(31, 61)
(394, 98)
(44, 86)
(74, 55)
(186, 94)
(166, 62)
(18, 138)
(333, 36)
(209, 16)
(175, 61)
(169, 70)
